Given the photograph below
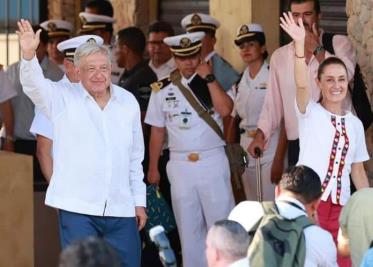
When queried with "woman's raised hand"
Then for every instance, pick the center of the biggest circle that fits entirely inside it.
(296, 31)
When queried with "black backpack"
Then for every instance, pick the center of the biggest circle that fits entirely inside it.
(359, 96)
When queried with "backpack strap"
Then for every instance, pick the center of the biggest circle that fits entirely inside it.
(327, 42)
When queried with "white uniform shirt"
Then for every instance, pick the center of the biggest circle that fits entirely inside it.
(187, 132)
(249, 97)
(41, 124)
(327, 151)
(165, 69)
(97, 152)
(320, 248)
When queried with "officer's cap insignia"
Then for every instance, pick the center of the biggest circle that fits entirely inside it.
(185, 42)
(196, 19)
(244, 29)
(52, 26)
(83, 20)
(91, 41)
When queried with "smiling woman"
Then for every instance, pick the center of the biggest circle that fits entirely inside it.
(331, 139)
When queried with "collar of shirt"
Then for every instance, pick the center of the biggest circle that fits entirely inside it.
(186, 81)
(287, 210)
(85, 93)
(210, 55)
(64, 79)
(169, 64)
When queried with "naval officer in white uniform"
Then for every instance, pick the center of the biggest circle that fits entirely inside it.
(198, 169)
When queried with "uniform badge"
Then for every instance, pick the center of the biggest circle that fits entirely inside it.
(185, 121)
(185, 42)
(83, 20)
(244, 29)
(196, 19)
(51, 26)
(262, 86)
(91, 41)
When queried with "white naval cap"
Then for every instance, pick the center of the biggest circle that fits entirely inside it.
(91, 22)
(184, 45)
(247, 213)
(69, 46)
(57, 27)
(199, 22)
(248, 32)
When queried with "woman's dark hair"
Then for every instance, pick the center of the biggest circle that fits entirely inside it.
(258, 37)
(327, 62)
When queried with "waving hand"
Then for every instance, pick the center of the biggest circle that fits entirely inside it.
(28, 40)
(296, 31)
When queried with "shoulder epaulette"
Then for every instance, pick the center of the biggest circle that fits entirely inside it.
(156, 86)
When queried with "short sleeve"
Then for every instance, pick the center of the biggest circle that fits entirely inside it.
(154, 114)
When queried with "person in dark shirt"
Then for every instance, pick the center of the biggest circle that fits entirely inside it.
(129, 49)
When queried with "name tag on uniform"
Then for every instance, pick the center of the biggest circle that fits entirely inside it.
(185, 119)
(261, 86)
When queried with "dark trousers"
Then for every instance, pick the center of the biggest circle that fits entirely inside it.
(293, 152)
(150, 256)
(119, 232)
(28, 147)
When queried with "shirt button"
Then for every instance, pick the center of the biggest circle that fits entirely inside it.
(336, 162)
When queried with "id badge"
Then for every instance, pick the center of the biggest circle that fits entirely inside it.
(185, 119)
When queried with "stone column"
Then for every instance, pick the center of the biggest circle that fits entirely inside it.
(139, 13)
(65, 10)
(360, 32)
(232, 14)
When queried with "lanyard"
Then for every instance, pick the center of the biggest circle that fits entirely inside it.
(293, 204)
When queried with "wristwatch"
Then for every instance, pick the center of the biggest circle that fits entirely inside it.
(210, 78)
(319, 49)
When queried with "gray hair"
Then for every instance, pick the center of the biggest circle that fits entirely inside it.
(90, 48)
(230, 238)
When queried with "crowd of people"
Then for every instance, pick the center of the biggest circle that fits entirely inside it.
(103, 121)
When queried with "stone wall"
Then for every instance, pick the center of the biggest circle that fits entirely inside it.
(65, 10)
(126, 12)
(360, 31)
